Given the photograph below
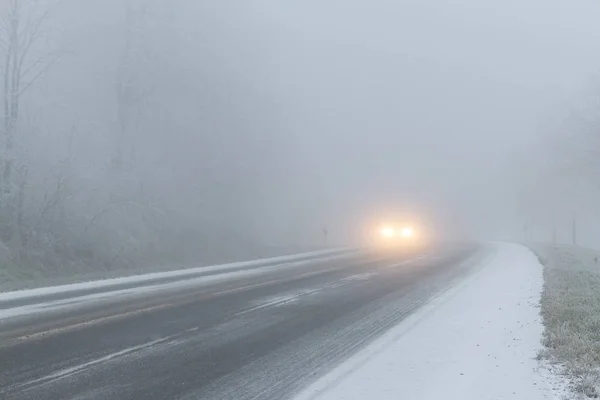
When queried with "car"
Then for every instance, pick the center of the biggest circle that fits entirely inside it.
(402, 236)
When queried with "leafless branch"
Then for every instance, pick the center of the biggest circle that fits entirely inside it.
(45, 69)
(48, 58)
(49, 203)
(31, 34)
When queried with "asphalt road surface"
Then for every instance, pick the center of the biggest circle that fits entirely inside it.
(264, 333)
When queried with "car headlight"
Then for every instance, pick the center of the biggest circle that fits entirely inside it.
(388, 232)
(407, 232)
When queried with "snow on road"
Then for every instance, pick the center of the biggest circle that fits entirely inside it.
(477, 341)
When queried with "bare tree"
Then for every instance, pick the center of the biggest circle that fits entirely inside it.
(21, 27)
(130, 91)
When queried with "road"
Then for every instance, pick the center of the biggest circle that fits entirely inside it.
(260, 333)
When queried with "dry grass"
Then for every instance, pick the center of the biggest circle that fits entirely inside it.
(570, 309)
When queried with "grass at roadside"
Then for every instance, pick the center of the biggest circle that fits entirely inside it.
(570, 308)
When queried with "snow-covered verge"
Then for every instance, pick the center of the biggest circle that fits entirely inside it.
(570, 309)
(478, 340)
(28, 279)
(151, 278)
(112, 290)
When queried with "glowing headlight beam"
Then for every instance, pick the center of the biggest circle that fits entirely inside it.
(388, 232)
(407, 232)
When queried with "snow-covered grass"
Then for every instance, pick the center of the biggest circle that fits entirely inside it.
(571, 314)
(478, 340)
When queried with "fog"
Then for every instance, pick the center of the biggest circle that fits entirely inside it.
(160, 130)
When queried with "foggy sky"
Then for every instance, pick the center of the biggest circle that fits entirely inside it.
(328, 112)
(417, 104)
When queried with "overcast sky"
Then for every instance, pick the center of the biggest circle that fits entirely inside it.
(331, 112)
(408, 103)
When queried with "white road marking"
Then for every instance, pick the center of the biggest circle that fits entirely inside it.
(272, 302)
(294, 297)
(67, 372)
(361, 277)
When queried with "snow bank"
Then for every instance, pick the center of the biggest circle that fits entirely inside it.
(112, 293)
(29, 293)
(477, 341)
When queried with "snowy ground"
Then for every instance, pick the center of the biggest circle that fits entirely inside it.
(477, 341)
